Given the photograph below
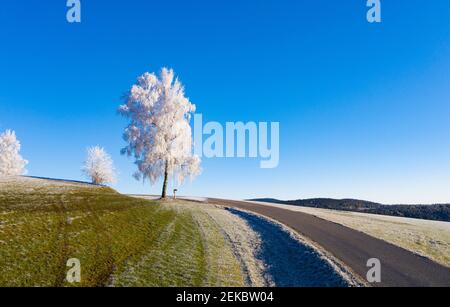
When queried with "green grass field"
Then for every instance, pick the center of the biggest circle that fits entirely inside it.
(120, 241)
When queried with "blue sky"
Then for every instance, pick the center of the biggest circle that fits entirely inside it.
(363, 108)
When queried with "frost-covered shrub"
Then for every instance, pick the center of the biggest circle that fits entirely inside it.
(11, 162)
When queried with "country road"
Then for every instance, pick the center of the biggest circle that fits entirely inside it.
(399, 267)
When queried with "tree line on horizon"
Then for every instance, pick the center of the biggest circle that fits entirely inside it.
(435, 212)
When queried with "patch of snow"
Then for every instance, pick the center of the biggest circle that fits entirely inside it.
(194, 198)
(290, 261)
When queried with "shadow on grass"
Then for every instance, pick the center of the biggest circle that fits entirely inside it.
(289, 263)
(64, 180)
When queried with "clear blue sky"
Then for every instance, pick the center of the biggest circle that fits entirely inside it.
(364, 108)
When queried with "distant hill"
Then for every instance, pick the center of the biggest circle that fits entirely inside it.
(439, 212)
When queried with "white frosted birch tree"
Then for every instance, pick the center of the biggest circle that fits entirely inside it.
(11, 162)
(159, 136)
(99, 166)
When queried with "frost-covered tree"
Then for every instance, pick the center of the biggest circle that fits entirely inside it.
(11, 162)
(99, 166)
(159, 135)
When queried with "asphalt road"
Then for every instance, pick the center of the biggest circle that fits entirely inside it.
(399, 267)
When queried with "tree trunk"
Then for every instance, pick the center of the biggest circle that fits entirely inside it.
(166, 179)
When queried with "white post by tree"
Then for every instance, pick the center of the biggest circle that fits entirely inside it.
(159, 135)
(99, 166)
(11, 162)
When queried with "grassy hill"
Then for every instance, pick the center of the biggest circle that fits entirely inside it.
(439, 212)
(120, 241)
